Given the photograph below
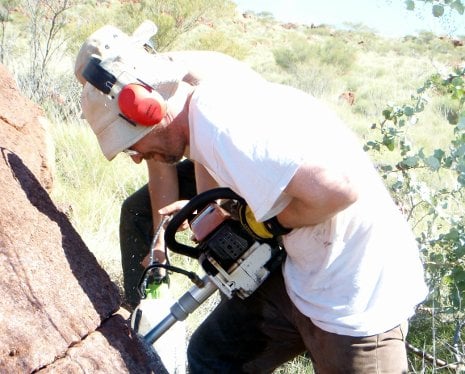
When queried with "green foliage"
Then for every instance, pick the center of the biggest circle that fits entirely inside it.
(438, 10)
(296, 52)
(299, 365)
(438, 6)
(173, 17)
(219, 41)
(315, 79)
(429, 187)
(6, 8)
(300, 59)
(85, 18)
(265, 16)
(314, 65)
(338, 54)
(430, 325)
(334, 54)
(47, 20)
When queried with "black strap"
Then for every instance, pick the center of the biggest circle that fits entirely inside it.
(275, 227)
(97, 76)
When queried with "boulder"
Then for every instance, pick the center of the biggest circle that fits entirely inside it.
(58, 310)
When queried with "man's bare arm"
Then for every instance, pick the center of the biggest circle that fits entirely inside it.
(203, 180)
(163, 190)
(317, 195)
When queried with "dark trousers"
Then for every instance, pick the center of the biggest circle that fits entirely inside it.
(258, 334)
(136, 230)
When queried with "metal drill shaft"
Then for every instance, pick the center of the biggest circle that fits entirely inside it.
(179, 311)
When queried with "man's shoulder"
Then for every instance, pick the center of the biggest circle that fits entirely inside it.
(213, 66)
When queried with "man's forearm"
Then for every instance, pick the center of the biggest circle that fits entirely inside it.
(204, 181)
(163, 190)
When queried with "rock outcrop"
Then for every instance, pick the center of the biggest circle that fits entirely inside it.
(58, 307)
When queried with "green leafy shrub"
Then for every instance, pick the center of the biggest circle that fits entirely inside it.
(338, 54)
(429, 186)
(173, 17)
(219, 41)
(296, 51)
(333, 54)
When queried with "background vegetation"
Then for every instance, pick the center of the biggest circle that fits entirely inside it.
(406, 99)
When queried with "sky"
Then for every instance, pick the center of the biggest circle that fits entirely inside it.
(386, 17)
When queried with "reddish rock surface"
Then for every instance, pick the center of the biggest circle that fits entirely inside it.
(58, 306)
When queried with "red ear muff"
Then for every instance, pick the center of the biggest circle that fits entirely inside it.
(141, 104)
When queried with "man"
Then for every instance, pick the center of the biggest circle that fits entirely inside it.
(352, 276)
(166, 182)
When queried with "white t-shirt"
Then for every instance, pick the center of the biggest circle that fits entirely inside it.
(356, 274)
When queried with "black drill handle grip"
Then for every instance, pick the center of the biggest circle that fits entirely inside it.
(197, 203)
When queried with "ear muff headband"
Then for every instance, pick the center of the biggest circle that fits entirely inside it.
(97, 76)
(137, 102)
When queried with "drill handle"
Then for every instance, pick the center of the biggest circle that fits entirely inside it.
(197, 203)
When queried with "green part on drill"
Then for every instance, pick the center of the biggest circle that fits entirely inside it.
(157, 290)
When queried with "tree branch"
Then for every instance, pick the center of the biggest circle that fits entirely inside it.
(441, 364)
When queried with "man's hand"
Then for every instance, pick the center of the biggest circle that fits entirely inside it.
(172, 209)
(158, 256)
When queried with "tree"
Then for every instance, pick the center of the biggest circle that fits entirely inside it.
(172, 17)
(429, 188)
(5, 11)
(47, 20)
(438, 6)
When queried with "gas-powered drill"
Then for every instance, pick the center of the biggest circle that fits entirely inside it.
(235, 261)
